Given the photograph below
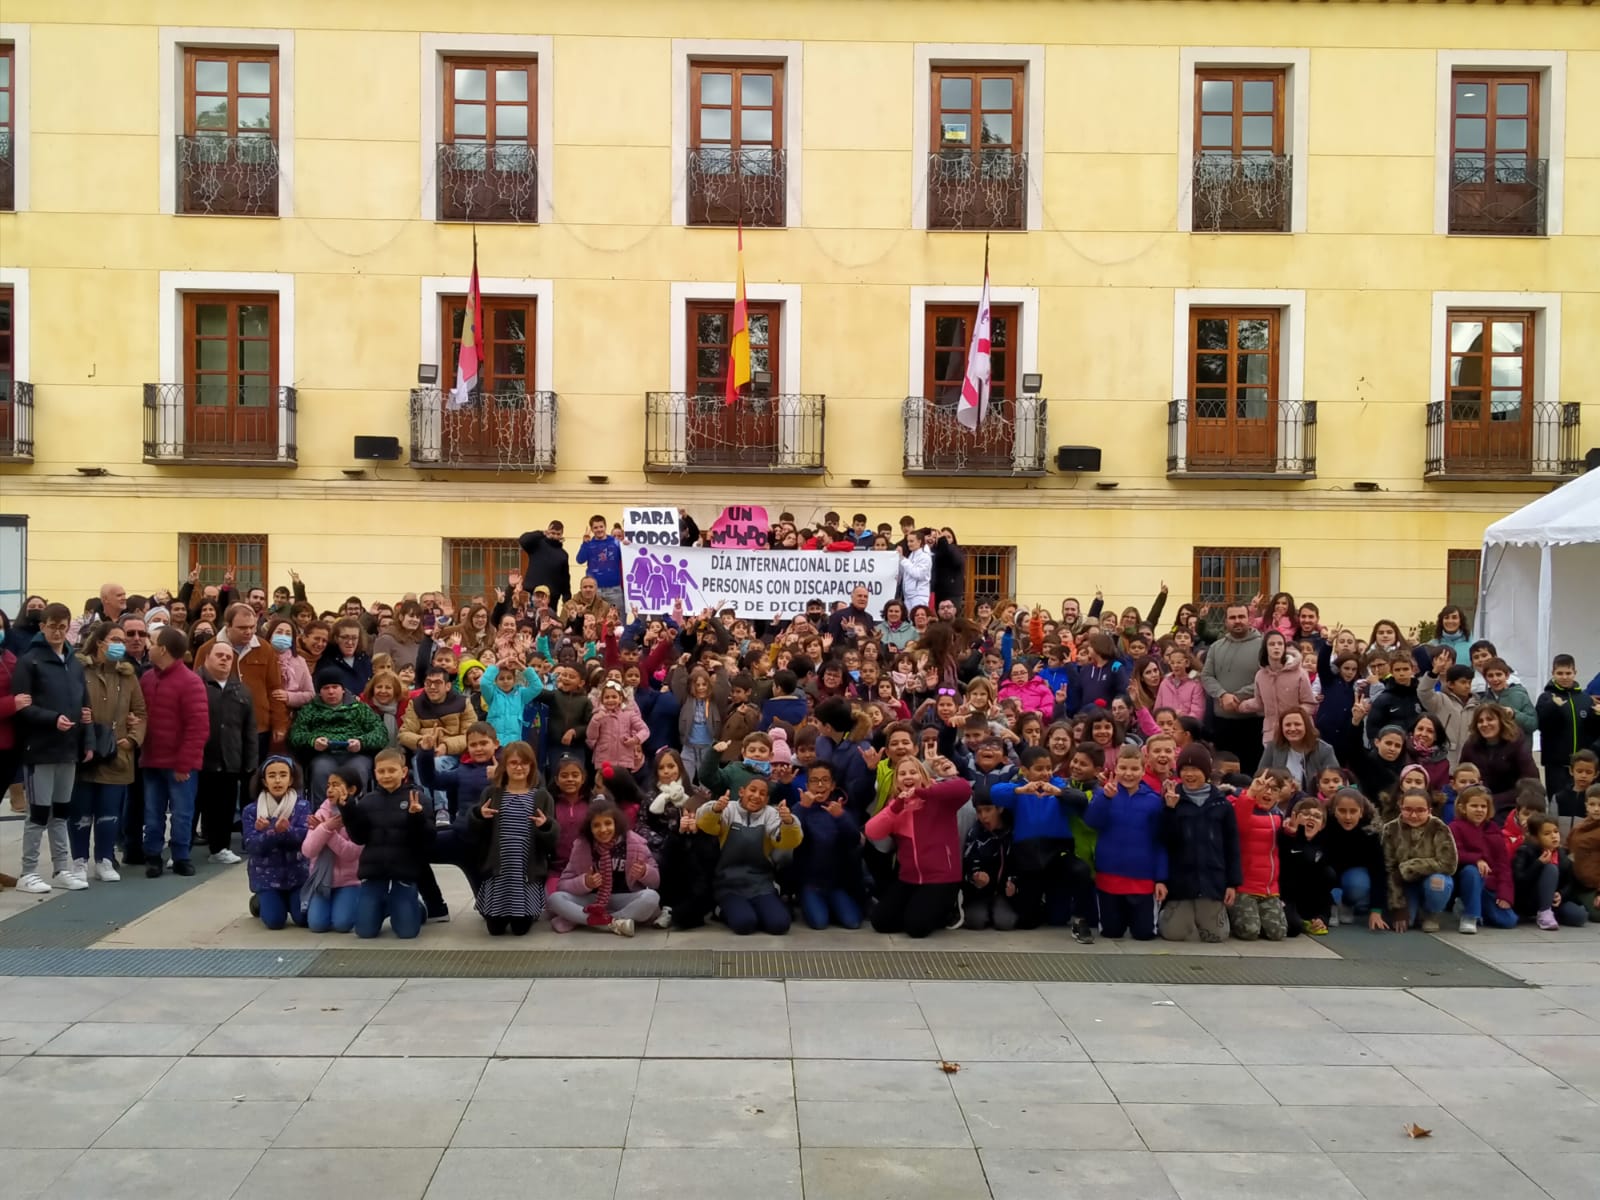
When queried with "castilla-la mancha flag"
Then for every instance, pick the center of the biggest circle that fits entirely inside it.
(974, 406)
(739, 339)
(469, 366)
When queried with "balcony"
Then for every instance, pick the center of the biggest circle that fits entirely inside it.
(989, 191)
(727, 186)
(16, 423)
(253, 427)
(496, 431)
(478, 182)
(1242, 195)
(779, 435)
(1010, 441)
(1206, 441)
(1513, 445)
(228, 176)
(8, 174)
(1506, 197)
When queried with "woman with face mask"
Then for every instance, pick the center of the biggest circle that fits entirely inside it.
(297, 686)
(101, 785)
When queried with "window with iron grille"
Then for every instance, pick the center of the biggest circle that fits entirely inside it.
(218, 554)
(474, 567)
(1233, 574)
(1461, 581)
(991, 571)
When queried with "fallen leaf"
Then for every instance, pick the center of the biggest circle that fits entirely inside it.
(238, 1099)
(1417, 1131)
(754, 1111)
(949, 1068)
(1163, 1004)
(333, 1008)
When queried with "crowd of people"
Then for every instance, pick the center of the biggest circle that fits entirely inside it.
(1245, 770)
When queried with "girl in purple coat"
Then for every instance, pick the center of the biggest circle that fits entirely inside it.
(274, 829)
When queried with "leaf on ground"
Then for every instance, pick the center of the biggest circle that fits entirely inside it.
(1414, 1130)
(949, 1068)
(332, 1008)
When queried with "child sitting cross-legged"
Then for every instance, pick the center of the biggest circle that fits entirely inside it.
(1130, 861)
(611, 880)
(274, 828)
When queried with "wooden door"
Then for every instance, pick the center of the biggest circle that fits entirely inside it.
(947, 337)
(1489, 417)
(1494, 143)
(231, 384)
(1233, 388)
(501, 419)
(718, 433)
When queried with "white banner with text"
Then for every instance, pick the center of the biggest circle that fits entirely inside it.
(754, 583)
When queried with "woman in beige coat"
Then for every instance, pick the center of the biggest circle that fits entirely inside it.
(101, 787)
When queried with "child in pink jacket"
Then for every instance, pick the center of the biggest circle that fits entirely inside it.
(1031, 694)
(617, 732)
(333, 890)
(1280, 686)
(1180, 690)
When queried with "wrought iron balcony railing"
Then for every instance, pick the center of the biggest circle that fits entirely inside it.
(228, 176)
(1513, 445)
(494, 431)
(1239, 195)
(727, 186)
(16, 422)
(1010, 440)
(479, 182)
(780, 434)
(8, 174)
(1503, 195)
(986, 190)
(1242, 439)
(253, 427)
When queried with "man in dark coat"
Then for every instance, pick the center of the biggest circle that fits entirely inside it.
(231, 751)
(547, 563)
(949, 570)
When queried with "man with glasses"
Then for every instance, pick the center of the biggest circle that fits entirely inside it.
(137, 634)
(51, 729)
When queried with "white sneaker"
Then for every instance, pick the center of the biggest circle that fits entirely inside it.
(1468, 925)
(34, 884)
(106, 871)
(69, 881)
(622, 926)
(80, 868)
(225, 858)
(664, 921)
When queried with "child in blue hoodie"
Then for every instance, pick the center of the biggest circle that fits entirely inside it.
(1130, 861)
(1053, 883)
(827, 870)
(507, 689)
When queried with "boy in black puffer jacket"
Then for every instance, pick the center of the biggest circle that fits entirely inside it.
(395, 830)
(1201, 834)
(987, 884)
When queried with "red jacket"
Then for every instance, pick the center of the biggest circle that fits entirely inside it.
(928, 838)
(178, 719)
(8, 702)
(1258, 846)
(1485, 843)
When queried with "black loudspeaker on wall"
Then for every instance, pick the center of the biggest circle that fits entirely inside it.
(1077, 458)
(379, 449)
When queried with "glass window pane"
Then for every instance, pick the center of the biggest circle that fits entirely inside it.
(955, 93)
(255, 112)
(711, 328)
(511, 359)
(254, 320)
(211, 318)
(995, 93)
(1506, 337)
(716, 124)
(1468, 371)
(1216, 95)
(470, 83)
(997, 332)
(1505, 372)
(1252, 368)
(254, 392)
(211, 354)
(1252, 404)
(949, 365)
(5, 70)
(510, 325)
(955, 129)
(255, 77)
(997, 129)
(716, 89)
(5, 107)
(1258, 95)
(1211, 368)
(210, 76)
(1505, 406)
(755, 125)
(469, 119)
(254, 356)
(949, 331)
(756, 90)
(1466, 406)
(211, 391)
(210, 113)
(1511, 134)
(1216, 131)
(1255, 131)
(511, 85)
(1469, 133)
(1211, 333)
(1254, 334)
(1466, 336)
(758, 329)
(1511, 100)
(760, 358)
(709, 362)
(1471, 98)
(511, 120)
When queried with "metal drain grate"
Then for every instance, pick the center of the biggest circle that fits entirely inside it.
(157, 964)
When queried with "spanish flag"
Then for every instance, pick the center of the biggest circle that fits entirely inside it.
(739, 340)
(469, 366)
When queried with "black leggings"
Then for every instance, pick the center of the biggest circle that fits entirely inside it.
(516, 926)
(915, 909)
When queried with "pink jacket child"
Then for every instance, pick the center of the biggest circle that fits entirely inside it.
(581, 862)
(570, 814)
(611, 729)
(1184, 696)
(1279, 689)
(1033, 695)
(925, 830)
(321, 836)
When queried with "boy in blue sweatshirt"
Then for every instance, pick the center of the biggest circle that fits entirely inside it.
(1053, 883)
(601, 557)
(1130, 861)
(784, 705)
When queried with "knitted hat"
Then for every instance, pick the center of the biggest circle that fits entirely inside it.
(466, 665)
(1195, 755)
(327, 677)
(780, 748)
(158, 613)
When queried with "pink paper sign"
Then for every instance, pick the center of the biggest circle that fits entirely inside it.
(741, 527)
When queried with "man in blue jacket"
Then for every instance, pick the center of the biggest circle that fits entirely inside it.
(601, 557)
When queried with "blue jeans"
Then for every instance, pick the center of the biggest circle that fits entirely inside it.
(1355, 889)
(96, 808)
(1430, 895)
(380, 898)
(441, 798)
(335, 911)
(819, 905)
(163, 794)
(746, 914)
(1478, 902)
(279, 906)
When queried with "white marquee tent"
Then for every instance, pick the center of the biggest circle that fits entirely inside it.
(1539, 592)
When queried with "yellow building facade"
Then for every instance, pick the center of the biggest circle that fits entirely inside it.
(1317, 281)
